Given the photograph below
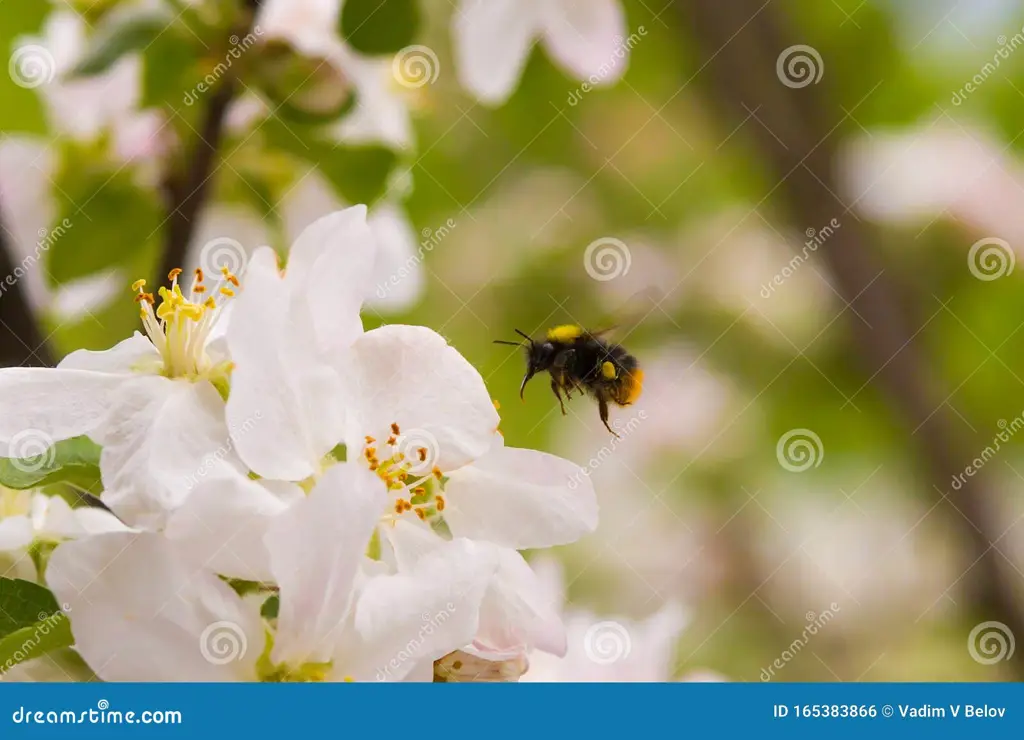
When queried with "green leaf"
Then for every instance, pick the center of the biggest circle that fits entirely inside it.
(109, 216)
(22, 604)
(170, 72)
(46, 635)
(380, 26)
(359, 173)
(122, 35)
(271, 607)
(75, 461)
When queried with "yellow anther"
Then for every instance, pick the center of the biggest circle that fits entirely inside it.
(199, 274)
(440, 503)
(210, 303)
(369, 440)
(437, 472)
(392, 440)
(173, 274)
(227, 291)
(232, 279)
(395, 429)
(422, 453)
(139, 284)
(198, 288)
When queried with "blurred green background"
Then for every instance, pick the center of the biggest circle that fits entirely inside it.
(696, 506)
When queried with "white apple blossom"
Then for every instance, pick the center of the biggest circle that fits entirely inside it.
(143, 613)
(151, 402)
(30, 519)
(493, 39)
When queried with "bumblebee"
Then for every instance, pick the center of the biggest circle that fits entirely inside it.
(581, 361)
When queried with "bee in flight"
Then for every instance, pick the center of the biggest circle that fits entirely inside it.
(580, 360)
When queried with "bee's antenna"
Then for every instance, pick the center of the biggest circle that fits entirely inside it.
(511, 344)
(527, 337)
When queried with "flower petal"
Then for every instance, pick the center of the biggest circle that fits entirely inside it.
(586, 37)
(129, 355)
(52, 404)
(161, 437)
(329, 271)
(316, 549)
(517, 613)
(138, 613)
(521, 499)
(492, 39)
(222, 524)
(406, 619)
(281, 409)
(409, 375)
(15, 533)
(381, 112)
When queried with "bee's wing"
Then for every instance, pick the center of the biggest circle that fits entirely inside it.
(628, 316)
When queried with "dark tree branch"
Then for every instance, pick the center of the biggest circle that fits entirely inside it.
(186, 189)
(796, 132)
(21, 341)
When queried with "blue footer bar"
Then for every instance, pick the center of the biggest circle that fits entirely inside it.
(523, 711)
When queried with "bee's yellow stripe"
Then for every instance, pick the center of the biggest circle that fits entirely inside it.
(565, 333)
(632, 386)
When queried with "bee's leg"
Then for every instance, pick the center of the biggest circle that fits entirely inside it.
(558, 395)
(602, 407)
(561, 361)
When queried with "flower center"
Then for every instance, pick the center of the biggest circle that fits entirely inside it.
(407, 469)
(180, 326)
